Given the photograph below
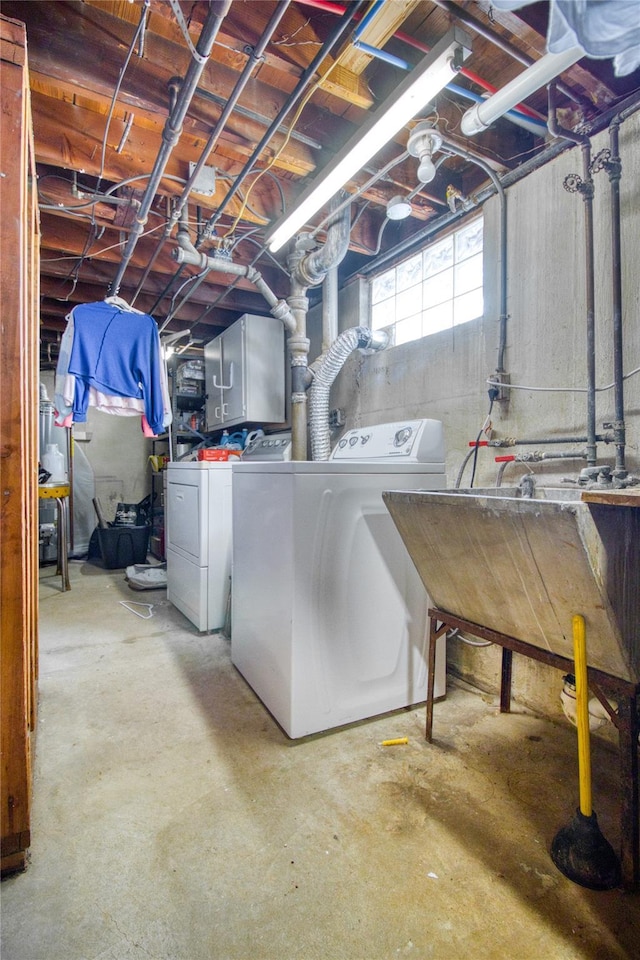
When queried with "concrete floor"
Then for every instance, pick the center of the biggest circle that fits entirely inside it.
(174, 820)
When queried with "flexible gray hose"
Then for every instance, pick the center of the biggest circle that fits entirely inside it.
(325, 370)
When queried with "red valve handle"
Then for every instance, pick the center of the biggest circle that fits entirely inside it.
(505, 459)
(478, 443)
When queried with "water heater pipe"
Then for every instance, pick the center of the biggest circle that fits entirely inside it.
(585, 188)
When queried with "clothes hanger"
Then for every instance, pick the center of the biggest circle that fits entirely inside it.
(116, 301)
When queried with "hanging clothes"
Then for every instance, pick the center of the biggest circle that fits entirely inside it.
(111, 358)
(603, 28)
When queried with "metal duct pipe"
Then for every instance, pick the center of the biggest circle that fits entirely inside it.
(325, 370)
(309, 269)
(254, 57)
(329, 308)
(584, 186)
(314, 267)
(173, 129)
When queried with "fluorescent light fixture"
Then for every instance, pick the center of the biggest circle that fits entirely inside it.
(415, 92)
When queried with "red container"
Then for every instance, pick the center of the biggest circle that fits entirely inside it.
(218, 453)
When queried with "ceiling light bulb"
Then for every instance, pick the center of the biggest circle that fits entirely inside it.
(427, 169)
(398, 208)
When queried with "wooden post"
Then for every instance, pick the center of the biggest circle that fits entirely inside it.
(19, 297)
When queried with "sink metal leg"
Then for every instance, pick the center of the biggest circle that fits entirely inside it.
(63, 551)
(505, 681)
(435, 632)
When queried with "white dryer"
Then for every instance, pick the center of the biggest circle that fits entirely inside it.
(329, 616)
(198, 540)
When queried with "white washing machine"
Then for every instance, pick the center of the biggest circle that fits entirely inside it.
(198, 540)
(329, 616)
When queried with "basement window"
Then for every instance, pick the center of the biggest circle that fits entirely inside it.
(433, 290)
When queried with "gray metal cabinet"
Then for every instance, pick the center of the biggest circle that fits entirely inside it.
(244, 373)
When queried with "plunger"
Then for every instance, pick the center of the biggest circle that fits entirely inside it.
(579, 850)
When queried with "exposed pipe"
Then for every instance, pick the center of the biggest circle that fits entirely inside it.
(535, 458)
(533, 125)
(338, 9)
(470, 158)
(254, 58)
(307, 270)
(614, 171)
(467, 18)
(313, 268)
(482, 115)
(525, 441)
(185, 252)
(332, 40)
(324, 371)
(173, 129)
(613, 165)
(584, 186)
(329, 308)
(554, 149)
(537, 127)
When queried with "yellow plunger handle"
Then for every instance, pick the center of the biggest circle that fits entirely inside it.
(582, 713)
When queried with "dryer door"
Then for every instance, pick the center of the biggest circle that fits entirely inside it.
(187, 514)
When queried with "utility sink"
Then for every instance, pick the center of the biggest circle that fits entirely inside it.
(524, 566)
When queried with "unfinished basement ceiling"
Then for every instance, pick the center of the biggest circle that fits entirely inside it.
(104, 78)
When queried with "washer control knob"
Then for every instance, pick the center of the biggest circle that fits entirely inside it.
(402, 436)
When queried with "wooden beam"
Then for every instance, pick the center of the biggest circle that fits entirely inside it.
(389, 18)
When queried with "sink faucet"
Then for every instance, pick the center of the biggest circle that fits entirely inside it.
(527, 485)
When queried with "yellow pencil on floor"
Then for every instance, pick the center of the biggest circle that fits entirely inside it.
(394, 743)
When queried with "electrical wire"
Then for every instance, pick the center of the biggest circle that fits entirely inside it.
(268, 252)
(455, 632)
(312, 89)
(139, 33)
(609, 386)
(196, 277)
(485, 426)
(97, 253)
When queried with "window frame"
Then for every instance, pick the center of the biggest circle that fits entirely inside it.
(446, 270)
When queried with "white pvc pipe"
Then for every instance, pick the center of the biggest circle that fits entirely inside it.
(482, 115)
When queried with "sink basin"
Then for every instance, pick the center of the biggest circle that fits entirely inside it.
(524, 566)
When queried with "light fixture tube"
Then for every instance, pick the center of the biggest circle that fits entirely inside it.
(482, 115)
(415, 92)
